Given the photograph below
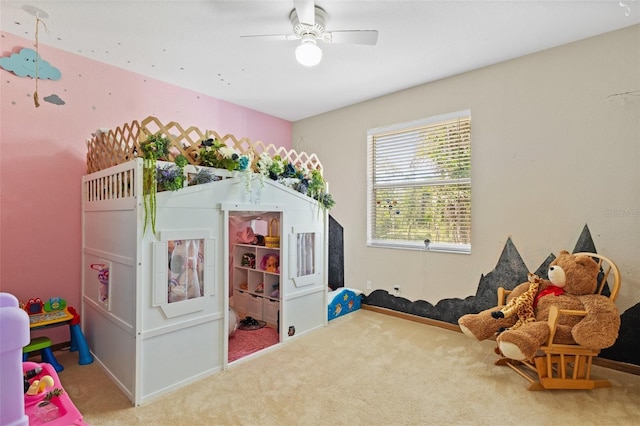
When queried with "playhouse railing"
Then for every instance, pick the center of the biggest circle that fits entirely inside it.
(122, 144)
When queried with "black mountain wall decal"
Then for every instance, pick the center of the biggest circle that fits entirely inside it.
(336, 254)
(508, 273)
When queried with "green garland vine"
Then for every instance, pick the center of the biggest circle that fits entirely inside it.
(215, 154)
(153, 148)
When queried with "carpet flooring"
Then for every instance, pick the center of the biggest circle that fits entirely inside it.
(365, 368)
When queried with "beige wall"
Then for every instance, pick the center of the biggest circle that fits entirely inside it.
(550, 154)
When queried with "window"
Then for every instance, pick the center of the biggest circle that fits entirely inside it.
(183, 270)
(419, 184)
(305, 244)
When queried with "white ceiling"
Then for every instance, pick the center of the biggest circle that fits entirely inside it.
(197, 44)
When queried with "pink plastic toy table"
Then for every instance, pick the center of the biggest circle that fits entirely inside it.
(63, 412)
(14, 335)
(16, 408)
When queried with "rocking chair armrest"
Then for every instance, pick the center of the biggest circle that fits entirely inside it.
(502, 296)
(554, 317)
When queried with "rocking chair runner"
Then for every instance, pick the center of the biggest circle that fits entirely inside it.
(559, 366)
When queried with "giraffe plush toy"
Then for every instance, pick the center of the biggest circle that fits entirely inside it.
(522, 306)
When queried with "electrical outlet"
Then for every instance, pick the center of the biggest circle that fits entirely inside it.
(368, 284)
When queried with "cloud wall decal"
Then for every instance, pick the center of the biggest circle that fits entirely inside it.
(54, 99)
(24, 63)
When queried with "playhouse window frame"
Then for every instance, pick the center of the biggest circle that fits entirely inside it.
(160, 277)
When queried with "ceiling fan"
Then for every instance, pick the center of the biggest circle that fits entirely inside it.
(309, 25)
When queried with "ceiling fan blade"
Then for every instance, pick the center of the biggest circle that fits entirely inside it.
(369, 37)
(277, 37)
(306, 11)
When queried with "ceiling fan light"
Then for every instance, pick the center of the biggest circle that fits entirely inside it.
(308, 53)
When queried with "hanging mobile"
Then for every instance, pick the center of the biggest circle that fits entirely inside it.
(39, 15)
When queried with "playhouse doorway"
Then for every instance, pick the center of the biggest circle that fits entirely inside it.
(254, 282)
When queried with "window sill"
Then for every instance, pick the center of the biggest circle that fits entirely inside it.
(439, 248)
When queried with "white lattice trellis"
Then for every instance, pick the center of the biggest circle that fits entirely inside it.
(107, 149)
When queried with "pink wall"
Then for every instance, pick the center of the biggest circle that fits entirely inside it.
(43, 151)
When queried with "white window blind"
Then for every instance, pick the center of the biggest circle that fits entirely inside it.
(419, 184)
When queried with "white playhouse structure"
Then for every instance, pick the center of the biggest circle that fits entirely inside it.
(155, 306)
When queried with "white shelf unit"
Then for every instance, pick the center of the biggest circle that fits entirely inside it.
(253, 287)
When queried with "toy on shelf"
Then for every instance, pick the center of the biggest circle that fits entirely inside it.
(276, 291)
(270, 263)
(248, 260)
(273, 239)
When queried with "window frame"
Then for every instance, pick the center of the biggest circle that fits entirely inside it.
(160, 274)
(407, 244)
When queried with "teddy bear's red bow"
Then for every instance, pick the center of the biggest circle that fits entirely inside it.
(552, 289)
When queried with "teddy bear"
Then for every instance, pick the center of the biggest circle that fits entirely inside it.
(572, 281)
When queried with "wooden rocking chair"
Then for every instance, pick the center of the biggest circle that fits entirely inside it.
(557, 366)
